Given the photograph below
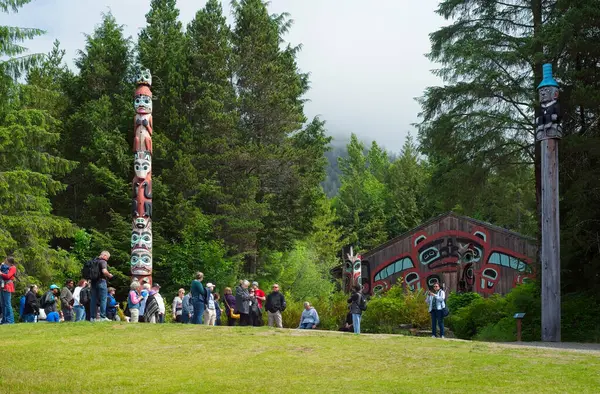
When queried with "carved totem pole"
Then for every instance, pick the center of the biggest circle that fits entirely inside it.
(141, 233)
(352, 270)
(548, 133)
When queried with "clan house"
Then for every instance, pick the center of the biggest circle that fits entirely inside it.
(460, 253)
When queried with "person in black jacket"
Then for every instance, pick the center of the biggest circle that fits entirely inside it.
(275, 305)
(355, 301)
(32, 306)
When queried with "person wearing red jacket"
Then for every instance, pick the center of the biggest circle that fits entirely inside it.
(7, 274)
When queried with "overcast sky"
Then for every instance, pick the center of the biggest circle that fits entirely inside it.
(366, 57)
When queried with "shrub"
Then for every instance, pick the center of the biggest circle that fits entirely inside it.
(385, 313)
(579, 318)
(468, 321)
(457, 301)
(491, 319)
(332, 311)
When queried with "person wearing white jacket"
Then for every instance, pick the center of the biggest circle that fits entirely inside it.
(436, 301)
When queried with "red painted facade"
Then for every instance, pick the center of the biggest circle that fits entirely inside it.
(460, 253)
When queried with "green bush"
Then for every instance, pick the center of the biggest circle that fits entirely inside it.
(491, 319)
(468, 321)
(504, 330)
(458, 301)
(385, 313)
(580, 318)
(332, 311)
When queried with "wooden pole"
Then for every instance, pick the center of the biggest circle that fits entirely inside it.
(519, 330)
(548, 132)
(550, 243)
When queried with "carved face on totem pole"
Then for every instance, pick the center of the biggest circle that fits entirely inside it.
(143, 77)
(142, 223)
(143, 100)
(141, 239)
(142, 164)
(141, 262)
(548, 94)
(352, 270)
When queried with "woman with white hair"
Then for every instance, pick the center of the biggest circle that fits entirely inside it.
(310, 317)
(134, 300)
(242, 302)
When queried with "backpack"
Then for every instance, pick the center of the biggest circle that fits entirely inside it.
(84, 296)
(47, 299)
(91, 270)
(362, 303)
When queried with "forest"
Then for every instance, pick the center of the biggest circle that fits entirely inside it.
(246, 186)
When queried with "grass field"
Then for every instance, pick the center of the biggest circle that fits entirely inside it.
(169, 358)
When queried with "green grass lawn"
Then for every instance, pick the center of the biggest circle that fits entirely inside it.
(169, 358)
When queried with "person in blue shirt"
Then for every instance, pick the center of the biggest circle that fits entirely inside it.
(111, 304)
(310, 318)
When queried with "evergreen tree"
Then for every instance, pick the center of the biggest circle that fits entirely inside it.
(481, 121)
(161, 48)
(406, 199)
(360, 204)
(270, 89)
(29, 166)
(98, 136)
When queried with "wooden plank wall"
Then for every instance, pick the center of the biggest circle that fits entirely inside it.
(510, 242)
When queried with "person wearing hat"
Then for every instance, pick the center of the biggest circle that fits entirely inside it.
(210, 313)
(49, 303)
(257, 319)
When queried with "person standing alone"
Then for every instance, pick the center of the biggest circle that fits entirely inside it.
(98, 275)
(275, 305)
(8, 288)
(436, 300)
(357, 306)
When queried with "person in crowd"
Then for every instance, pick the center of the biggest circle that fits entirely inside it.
(436, 302)
(85, 298)
(255, 313)
(160, 301)
(198, 298)
(347, 327)
(50, 304)
(32, 306)
(210, 313)
(145, 294)
(22, 306)
(177, 305)
(8, 272)
(230, 309)
(99, 288)
(66, 300)
(275, 305)
(354, 301)
(260, 298)
(152, 310)
(111, 304)
(309, 318)
(187, 309)
(218, 309)
(78, 307)
(134, 300)
(242, 302)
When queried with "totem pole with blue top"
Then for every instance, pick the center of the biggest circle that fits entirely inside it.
(548, 132)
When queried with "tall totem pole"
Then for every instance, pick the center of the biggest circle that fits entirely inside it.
(549, 132)
(141, 233)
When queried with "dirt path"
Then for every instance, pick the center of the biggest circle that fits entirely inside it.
(572, 346)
